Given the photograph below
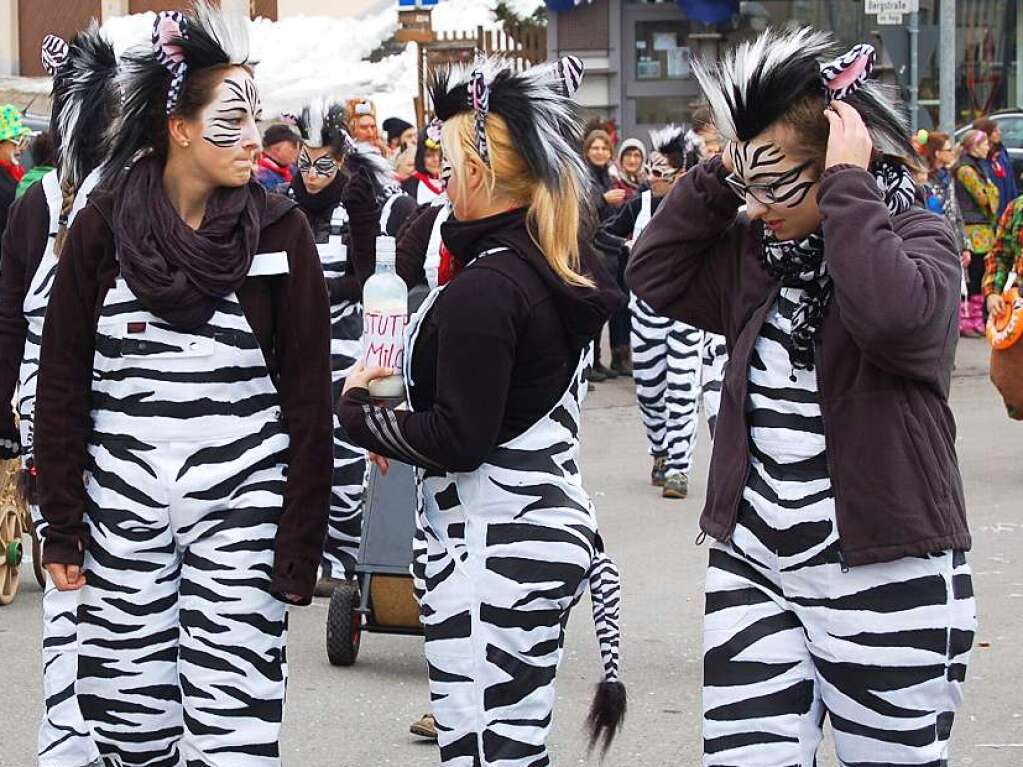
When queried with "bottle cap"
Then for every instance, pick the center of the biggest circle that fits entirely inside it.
(386, 249)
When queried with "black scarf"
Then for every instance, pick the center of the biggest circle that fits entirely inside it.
(176, 272)
(801, 264)
(328, 198)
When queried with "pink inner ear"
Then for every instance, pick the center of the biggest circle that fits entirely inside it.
(850, 74)
(168, 30)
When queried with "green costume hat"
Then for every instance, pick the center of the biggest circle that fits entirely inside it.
(11, 127)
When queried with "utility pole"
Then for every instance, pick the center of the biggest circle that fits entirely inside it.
(947, 66)
(914, 70)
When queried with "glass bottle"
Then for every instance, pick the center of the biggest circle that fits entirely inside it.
(384, 316)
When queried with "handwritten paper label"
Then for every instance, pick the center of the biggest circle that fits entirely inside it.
(384, 339)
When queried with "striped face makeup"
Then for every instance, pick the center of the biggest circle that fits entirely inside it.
(230, 120)
(764, 172)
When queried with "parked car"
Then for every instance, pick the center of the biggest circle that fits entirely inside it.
(1011, 123)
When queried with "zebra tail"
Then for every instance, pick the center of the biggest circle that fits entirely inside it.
(607, 712)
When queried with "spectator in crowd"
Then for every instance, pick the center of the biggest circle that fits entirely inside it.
(13, 135)
(400, 135)
(709, 144)
(276, 162)
(44, 159)
(1006, 258)
(979, 203)
(999, 163)
(424, 184)
(362, 124)
(597, 151)
(631, 176)
(940, 190)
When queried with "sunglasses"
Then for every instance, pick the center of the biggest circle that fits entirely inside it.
(324, 166)
(770, 194)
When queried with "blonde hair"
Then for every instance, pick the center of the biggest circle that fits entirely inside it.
(554, 212)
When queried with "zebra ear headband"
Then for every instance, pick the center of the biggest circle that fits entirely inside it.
(565, 75)
(843, 76)
(479, 98)
(54, 54)
(169, 29)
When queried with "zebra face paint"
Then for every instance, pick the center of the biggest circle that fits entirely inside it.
(318, 167)
(230, 138)
(778, 189)
(231, 118)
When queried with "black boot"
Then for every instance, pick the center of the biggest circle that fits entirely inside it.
(599, 369)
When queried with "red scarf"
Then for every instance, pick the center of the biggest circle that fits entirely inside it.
(449, 266)
(13, 169)
(269, 163)
(429, 181)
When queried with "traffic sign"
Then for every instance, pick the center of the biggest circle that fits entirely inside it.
(891, 6)
(889, 17)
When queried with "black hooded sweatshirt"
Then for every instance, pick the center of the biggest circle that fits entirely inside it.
(495, 353)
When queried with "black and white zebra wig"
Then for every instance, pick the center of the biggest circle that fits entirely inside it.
(326, 125)
(755, 84)
(675, 144)
(84, 100)
(207, 37)
(544, 122)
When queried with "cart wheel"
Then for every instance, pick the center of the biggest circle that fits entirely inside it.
(10, 554)
(344, 625)
(37, 559)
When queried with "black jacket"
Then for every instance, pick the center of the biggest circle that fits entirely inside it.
(8, 186)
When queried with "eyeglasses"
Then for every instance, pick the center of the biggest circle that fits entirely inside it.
(774, 193)
(659, 174)
(324, 165)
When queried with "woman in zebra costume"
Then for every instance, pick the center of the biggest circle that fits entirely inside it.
(838, 586)
(508, 539)
(666, 353)
(342, 192)
(185, 373)
(84, 103)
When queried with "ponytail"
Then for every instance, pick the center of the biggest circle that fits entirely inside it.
(554, 217)
(68, 192)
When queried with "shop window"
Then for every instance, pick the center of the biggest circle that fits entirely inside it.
(661, 50)
(658, 110)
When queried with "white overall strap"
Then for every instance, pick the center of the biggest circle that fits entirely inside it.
(645, 214)
(266, 264)
(385, 211)
(54, 198)
(431, 266)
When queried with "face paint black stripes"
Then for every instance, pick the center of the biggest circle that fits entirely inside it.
(236, 103)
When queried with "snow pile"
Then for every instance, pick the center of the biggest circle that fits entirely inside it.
(303, 59)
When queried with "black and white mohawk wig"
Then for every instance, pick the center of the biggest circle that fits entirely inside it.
(673, 144)
(153, 77)
(325, 125)
(544, 122)
(84, 99)
(755, 84)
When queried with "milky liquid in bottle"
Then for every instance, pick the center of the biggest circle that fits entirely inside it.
(384, 316)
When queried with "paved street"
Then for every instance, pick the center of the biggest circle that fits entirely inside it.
(359, 716)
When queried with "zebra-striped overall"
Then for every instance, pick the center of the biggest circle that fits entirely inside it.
(182, 646)
(344, 525)
(666, 360)
(791, 635)
(64, 740)
(502, 555)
